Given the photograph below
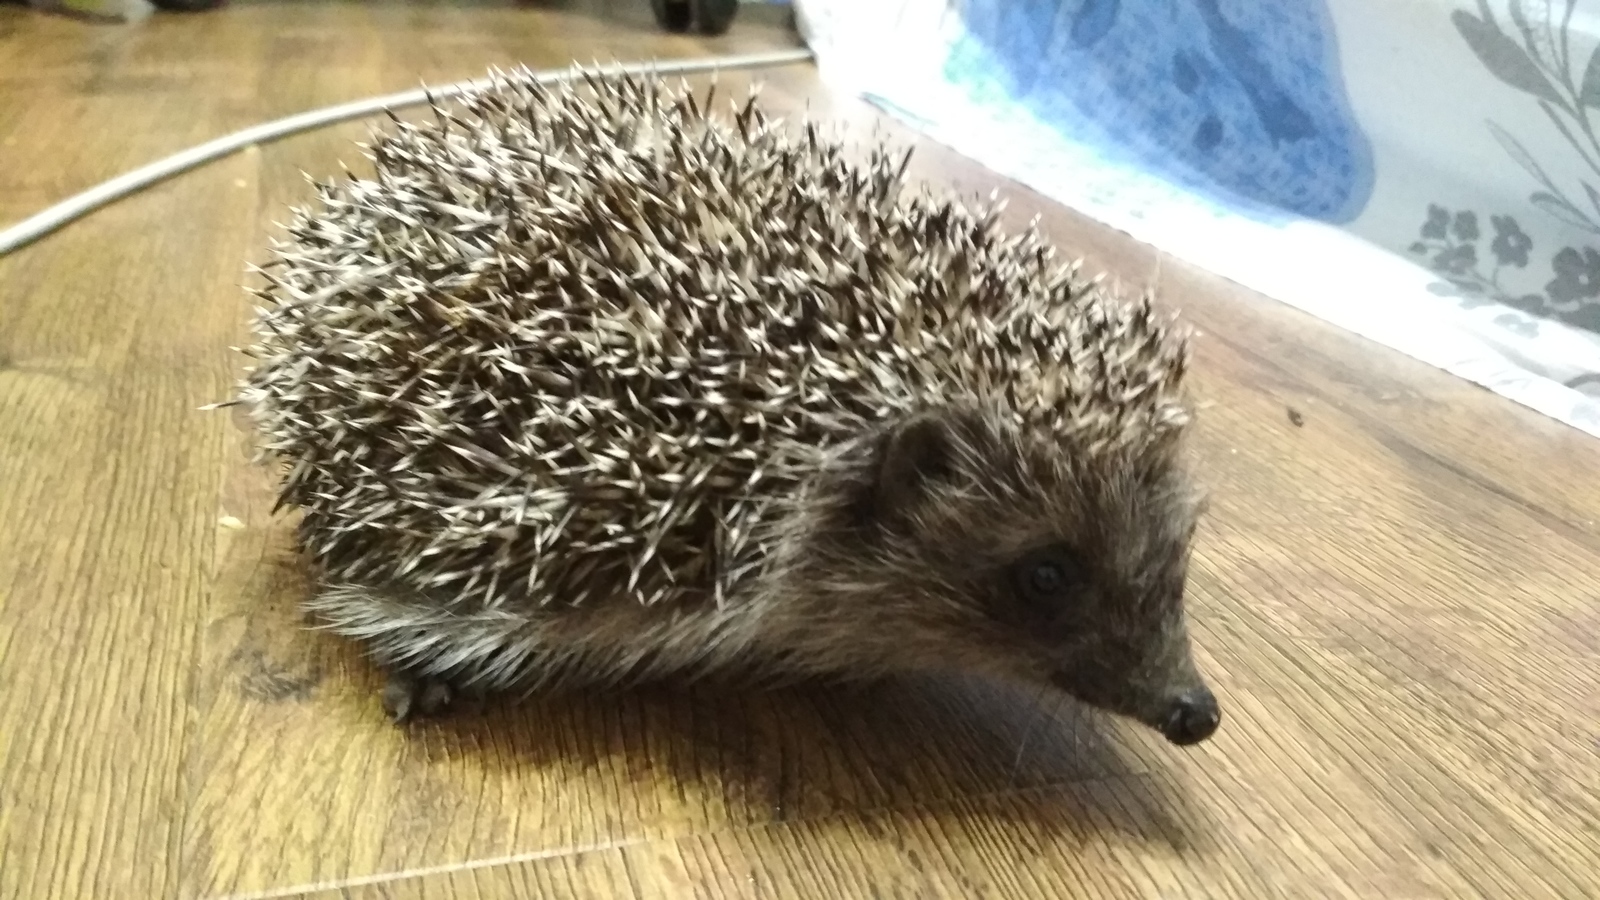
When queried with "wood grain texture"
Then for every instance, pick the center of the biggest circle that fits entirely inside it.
(1397, 593)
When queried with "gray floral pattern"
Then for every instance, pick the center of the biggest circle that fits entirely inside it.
(1532, 53)
(1538, 62)
(1449, 242)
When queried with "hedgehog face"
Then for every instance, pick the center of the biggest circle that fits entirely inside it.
(990, 543)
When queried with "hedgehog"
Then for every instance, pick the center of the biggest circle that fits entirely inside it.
(590, 383)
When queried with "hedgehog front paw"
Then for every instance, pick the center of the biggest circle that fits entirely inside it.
(406, 697)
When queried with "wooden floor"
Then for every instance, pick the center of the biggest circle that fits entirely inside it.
(1397, 593)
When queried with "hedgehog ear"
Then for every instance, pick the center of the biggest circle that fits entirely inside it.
(917, 452)
(1160, 459)
(1164, 446)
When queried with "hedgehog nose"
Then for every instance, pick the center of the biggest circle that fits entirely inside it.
(1194, 716)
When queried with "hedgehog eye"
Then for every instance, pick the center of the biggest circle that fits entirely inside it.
(1047, 577)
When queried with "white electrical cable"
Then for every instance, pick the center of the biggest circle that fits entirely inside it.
(106, 193)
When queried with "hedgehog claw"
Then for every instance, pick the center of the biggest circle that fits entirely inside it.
(406, 698)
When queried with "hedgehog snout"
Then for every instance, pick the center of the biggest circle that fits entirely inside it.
(1192, 717)
(1166, 695)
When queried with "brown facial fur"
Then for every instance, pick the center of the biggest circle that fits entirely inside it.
(913, 561)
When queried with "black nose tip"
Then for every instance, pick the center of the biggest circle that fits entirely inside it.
(1193, 718)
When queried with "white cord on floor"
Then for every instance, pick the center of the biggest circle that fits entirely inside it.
(108, 192)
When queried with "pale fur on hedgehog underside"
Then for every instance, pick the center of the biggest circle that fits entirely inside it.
(589, 386)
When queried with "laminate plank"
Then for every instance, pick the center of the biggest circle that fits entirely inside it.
(1396, 594)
